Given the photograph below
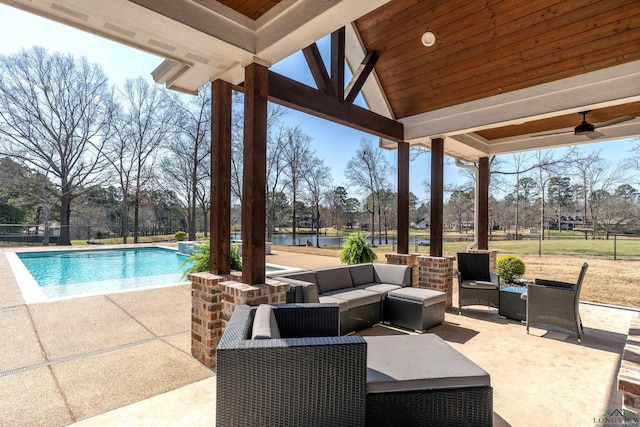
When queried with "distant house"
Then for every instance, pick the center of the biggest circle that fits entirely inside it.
(423, 224)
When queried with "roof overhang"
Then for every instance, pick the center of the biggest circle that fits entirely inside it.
(203, 41)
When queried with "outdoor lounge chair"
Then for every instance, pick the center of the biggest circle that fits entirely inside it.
(476, 284)
(555, 303)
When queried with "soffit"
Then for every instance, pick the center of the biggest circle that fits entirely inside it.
(501, 70)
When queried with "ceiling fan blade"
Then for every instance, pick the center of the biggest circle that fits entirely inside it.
(614, 121)
(593, 135)
(549, 134)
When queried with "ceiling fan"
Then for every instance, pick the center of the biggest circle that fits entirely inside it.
(589, 130)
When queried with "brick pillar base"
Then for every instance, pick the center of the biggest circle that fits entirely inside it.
(213, 299)
(437, 273)
(206, 325)
(629, 373)
(406, 259)
(237, 293)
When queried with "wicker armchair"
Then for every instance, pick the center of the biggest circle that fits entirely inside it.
(556, 303)
(476, 284)
(309, 377)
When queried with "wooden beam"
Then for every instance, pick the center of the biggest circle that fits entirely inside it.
(318, 70)
(483, 204)
(360, 76)
(220, 218)
(254, 174)
(293, 94)
(437, 196)
(403, 198)
(337, 62)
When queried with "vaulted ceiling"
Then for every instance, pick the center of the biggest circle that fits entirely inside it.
(502, 76)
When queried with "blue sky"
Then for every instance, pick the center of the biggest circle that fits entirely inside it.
(335, 144)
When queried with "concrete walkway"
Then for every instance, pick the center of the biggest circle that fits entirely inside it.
(124, 359)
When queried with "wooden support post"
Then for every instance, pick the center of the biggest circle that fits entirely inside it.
(337, 62)
(254, 174)
(220, 218)
(403, 198)
(483, 204)
(437, 196)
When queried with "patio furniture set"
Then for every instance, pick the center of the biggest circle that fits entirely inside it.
(368, 294)
(297, 364)
(544, 302)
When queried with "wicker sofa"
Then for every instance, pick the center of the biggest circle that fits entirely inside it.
(291, 369)
(359, 290)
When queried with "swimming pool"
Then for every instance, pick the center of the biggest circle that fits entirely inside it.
(51, 275)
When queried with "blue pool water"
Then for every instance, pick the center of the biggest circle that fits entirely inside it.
(75, 273)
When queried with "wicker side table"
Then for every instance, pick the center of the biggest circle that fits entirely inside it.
(512, 306)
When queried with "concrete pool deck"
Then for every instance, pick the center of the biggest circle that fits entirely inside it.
(124, 359)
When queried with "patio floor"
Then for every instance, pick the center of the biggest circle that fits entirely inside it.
(124, 359)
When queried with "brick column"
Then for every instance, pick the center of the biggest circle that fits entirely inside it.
(237, 293)
(406, 259)
(213, 299)
(629, 373)
(437, 273)
(206, 325)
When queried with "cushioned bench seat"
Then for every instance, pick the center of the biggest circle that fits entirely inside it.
(409, 376)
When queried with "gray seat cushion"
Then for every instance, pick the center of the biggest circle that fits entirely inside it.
(381, 288)
(264, 324)
(362, 274)
(355, 297)
(392, 274)
(343, 305)
(478, 284)
(418, 362)
(426, 296)
(331, 279)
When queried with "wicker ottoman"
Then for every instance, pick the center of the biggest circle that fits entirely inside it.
(420, 380)
(414, 308)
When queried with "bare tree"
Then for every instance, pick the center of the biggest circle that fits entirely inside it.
(186, 161)
(191, 145)
(55, 115)
(593, 173)
(369, 171)
(145, 123)
(317, 178)
(296, 155)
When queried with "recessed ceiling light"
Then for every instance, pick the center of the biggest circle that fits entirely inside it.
(428, 39)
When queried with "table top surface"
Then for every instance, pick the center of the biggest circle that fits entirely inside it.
(514, 289)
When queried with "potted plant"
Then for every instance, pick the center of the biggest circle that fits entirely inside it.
(356, 250)
(510, 268)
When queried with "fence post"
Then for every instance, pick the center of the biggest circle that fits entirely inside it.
(615, 246)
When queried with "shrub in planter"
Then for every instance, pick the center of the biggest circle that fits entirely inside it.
(180, 236)
(356, 250)
(509, 267)
(200, 261)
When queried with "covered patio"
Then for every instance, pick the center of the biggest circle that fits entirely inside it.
(115, 362)
(464, 79)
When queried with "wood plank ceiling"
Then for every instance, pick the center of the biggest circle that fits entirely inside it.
(486, 48)
(253, 9)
